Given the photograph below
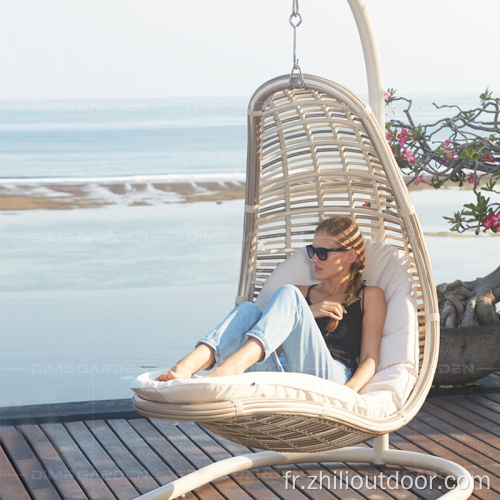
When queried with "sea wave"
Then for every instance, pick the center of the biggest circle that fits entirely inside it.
(222, 121)
(144, 178)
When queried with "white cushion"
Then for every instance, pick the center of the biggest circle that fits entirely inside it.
(396, 373)
(282, 385)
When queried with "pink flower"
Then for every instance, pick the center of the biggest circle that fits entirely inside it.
(403, 137)
(489, 158)
(471, 178)
(447, 154)
(388, 136)
(448, 218)
(419, 179)
(491, 222)
(495, 221)
(387, 96)
(450, 155)
(486, 223)
(408, 155)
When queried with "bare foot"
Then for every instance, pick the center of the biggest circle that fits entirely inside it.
(175, 373)
(201, 358)
(225, 369)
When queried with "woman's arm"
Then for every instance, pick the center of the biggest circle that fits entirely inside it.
(373, 323)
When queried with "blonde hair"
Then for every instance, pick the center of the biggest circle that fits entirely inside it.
(346, 232)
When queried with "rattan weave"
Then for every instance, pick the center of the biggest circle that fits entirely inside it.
(314, 153)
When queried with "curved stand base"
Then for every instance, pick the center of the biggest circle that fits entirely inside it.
(379, 455)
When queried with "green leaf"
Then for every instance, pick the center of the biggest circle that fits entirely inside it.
(485, 96)
(490, 186)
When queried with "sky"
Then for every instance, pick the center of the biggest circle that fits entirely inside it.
(106, 49)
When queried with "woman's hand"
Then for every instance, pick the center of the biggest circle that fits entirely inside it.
(329, 309)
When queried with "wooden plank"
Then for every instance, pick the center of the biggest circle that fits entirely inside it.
(459, 407)
(481, 439)
(246, 480)
(77, 462)
(383, 482)
(227, 487)
(162, 446)
(142, 452)
(399, 482)
(494, 397)
(464, 444)
(29, 468)
(321, 481)
(280, 485)
(362, 479)
(114, 478)
(472, 404)
(487, 401)
(173, 457)
(133, 470)
(55, 467)
(11, 486)
(440, 445)
(407, 484)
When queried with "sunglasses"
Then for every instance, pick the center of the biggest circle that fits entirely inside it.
(322, 253)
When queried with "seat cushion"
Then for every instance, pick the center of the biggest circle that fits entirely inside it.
(279, 385)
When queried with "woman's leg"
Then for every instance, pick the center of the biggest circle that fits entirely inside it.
(230, 335)
(288, 322)
(219, 344)
(250, 338)
(249, 353)
(198, 359)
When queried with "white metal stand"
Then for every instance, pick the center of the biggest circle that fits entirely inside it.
(380, 454)
(372, 59)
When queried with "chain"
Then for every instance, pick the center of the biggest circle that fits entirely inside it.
(295, 21)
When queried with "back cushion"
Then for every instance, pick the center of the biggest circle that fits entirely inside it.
(387, 268)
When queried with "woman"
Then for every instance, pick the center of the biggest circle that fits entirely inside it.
(321, 329)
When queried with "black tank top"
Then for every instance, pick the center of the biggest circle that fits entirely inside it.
(344, 343)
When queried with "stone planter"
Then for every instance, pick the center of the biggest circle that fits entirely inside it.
(467, 354)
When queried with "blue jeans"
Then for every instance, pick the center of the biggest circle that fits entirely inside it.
(287, 322)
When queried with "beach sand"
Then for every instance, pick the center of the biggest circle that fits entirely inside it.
(66, 196)
(62, 196)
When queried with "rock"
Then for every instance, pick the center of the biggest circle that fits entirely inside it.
(467, 354)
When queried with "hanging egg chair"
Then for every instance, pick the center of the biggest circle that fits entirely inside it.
(316, 150)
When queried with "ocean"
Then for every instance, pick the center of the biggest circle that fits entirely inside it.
(168, 139)
(93, 140)
(89, 298)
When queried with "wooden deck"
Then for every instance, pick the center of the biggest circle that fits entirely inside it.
(120, 458)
